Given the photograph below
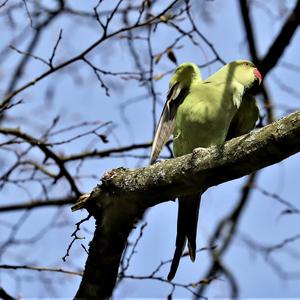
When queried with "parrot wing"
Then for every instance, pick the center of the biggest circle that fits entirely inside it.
(245, 118)
(165, 127)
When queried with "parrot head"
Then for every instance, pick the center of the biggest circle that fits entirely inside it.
(185, 74)
(245, 73)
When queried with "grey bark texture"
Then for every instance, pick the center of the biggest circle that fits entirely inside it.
(124, 194)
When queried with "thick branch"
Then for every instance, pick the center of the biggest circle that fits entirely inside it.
(267, 63)
(282, 40)
(3, 294)
(125, 193)
(253, 51)
(279, 44)
(249, 30)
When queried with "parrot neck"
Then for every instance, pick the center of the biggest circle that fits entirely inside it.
(195, 80)
(234, 89)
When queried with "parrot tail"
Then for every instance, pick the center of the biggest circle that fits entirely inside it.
(187, 220)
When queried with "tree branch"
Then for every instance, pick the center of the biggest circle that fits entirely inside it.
(39, 269)
(225, 237)
(253, 51)
(105, 152)
(275, 52)
(47, 152)
(282, 40)
(3, 293)
(80, 56)
(37, 204)
(125, 194)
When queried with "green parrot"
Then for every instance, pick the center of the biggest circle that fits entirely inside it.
(203, 114)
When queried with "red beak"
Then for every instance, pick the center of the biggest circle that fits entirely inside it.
(257, 75)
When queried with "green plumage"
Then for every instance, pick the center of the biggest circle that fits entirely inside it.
(203, 114)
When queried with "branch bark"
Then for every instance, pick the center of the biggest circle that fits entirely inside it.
(125, 194)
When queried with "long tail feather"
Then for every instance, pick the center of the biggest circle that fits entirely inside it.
(180, 238)
(187, 220)
(191, 230)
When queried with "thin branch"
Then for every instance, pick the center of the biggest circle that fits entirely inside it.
(267, 250)
(28, 54)
(3, 4)
(290, 208)
(201, 35)
(40, 269)
(47, 152)
(128, 259)
(75, 236)
(151, 83)
(55, 48)
(80, 56)
(37, 204)
(225, 232)
(10, 93)
(2, 109)
(105, 153)
(28, 13)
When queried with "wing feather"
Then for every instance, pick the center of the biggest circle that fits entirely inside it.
(165, 127)
(245, 118)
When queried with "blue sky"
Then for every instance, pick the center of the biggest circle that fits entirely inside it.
(78, 97)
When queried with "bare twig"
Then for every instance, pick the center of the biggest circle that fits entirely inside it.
(75, 236)
(39, 269)
(80, 56)
(48, 154)
(37, 204)
(3, 4)
(55, 48)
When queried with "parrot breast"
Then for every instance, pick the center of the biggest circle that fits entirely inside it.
(204, 117)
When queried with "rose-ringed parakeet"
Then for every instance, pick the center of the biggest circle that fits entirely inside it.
(203, 114)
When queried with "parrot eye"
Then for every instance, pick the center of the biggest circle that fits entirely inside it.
(246, 64)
